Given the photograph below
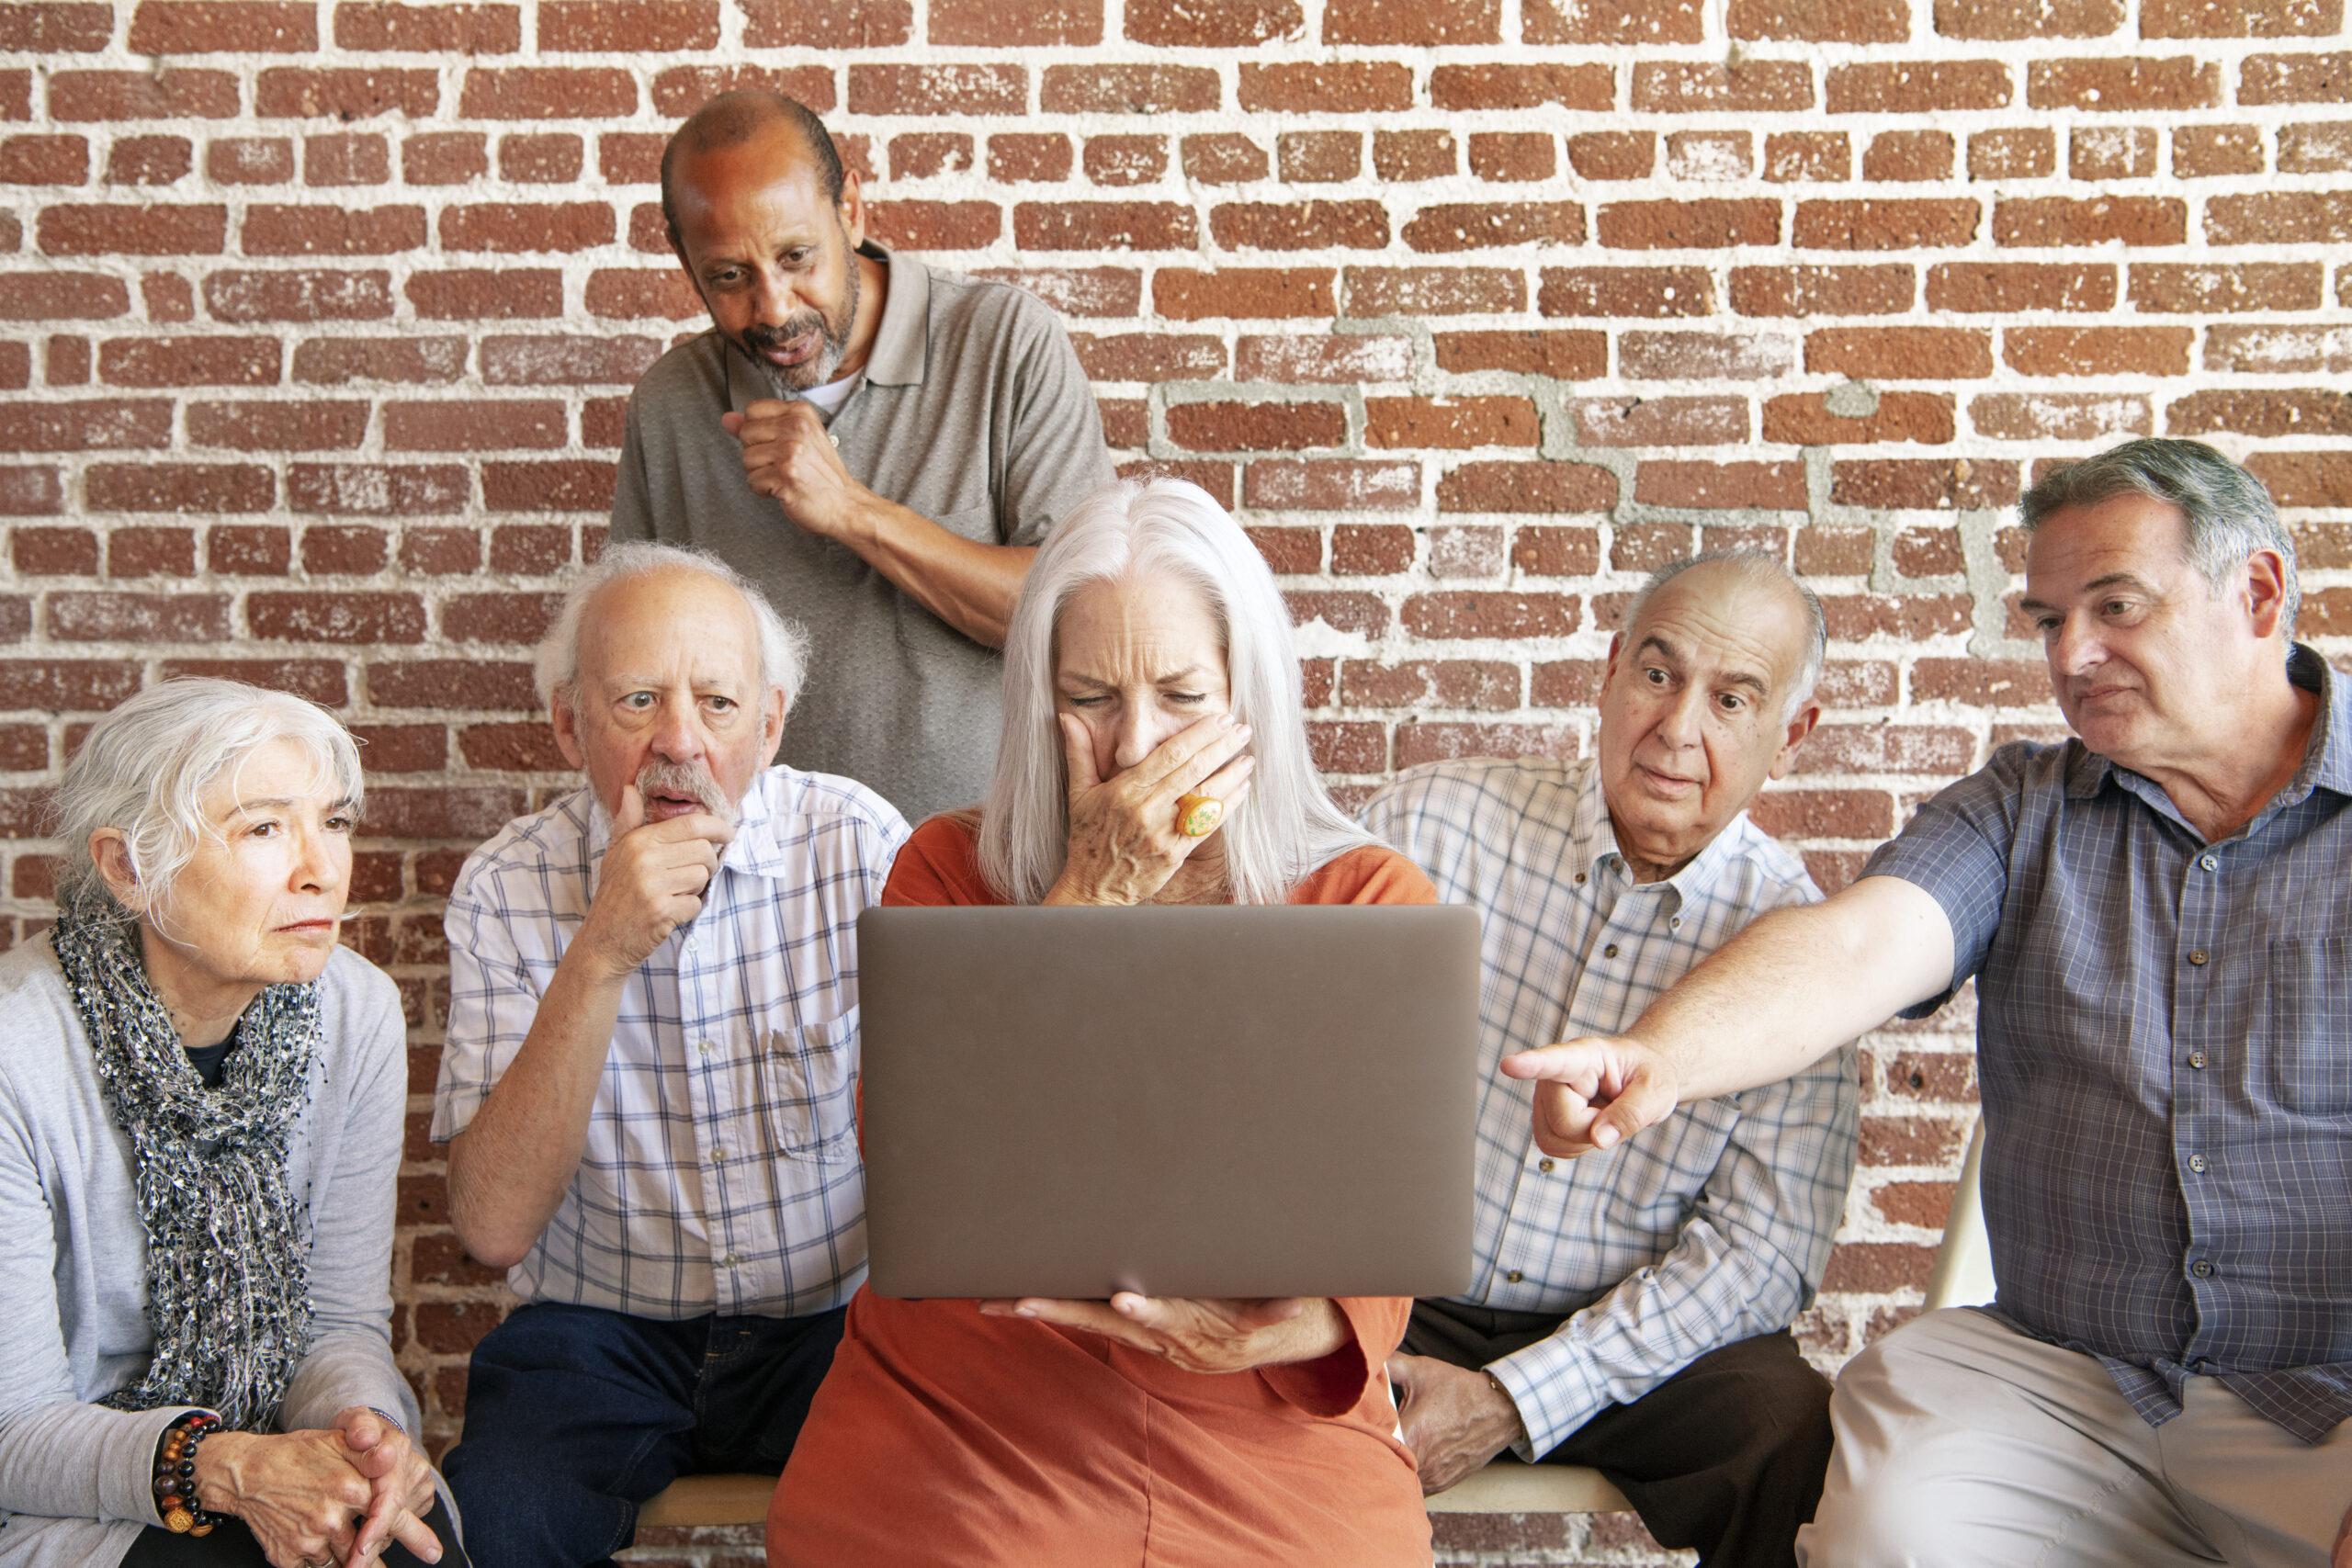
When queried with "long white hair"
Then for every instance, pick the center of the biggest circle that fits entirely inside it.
(1288, 827)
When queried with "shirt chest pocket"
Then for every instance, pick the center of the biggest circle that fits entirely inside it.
(2301, 1042)
(809, 1084)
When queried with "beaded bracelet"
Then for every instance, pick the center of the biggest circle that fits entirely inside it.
(175, 1473)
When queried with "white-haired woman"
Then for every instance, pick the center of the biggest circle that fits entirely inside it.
(1153, 752)
(201, 1099)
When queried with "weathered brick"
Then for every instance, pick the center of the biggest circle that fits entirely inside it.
(1808, 419)
(292, 93)
(1213, 24)
(2011, 20)
(1651, 292)
(2111, 153)
(1917, 88)
(1129, 89)
(405, 28)
(2296, 78)
(1464, 612)
(1318, 156)
(179, 486)
(223, 26)
(2136, 220)
(2059, 416)
(1880, 290)
(1103, 226)
(1432, 292)
(2214, 287)
(1769, 485)
(1901, 353)
(2097, 351)
(1658, 422)
(1521, 487)
(2280, 218)
(1614, 22)
(1613, 155)
(1249, 293)
(1345, 87)
(1331, 484)
(1257, 426)
(2309, 410)
(1462, 226)
(1748, 86)
(1589, 88)
(164, 94)
(1449, 422)
(1698, 224)
(1423, 23)
(2114, 86)
(1566, 355)
(2010, 286)
(300, 296)
(1885, 224)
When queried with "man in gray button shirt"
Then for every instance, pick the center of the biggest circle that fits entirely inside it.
(879, 445)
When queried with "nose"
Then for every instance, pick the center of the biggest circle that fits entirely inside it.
(319, 868)
(771, 299)
(1678, 725)
(2076, 647)
(677, 733)
(1141, 729)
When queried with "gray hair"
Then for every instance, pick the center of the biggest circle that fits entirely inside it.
(2229, 516)
(1290, 826)
(144, 769)
(1758, 569)
(784, 647)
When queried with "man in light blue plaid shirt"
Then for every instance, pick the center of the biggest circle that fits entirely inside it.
(648, 1082)
(1630, 1312)
(2154, 914)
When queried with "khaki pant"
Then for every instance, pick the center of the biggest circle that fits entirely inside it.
(1961, 1442)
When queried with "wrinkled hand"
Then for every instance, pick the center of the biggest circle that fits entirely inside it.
(789, 456)
(1594, 1093)
(1123, 845)
(401, 1486)
(1196, 1333)
(1454, 1420)
(298, 1492)
(651, 883)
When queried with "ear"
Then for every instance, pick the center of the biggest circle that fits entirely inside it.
(2265, 589)
(852, 208)
(111, 852)
(565, 721)
(772, 715)
(1799, 728)
(1608, 670)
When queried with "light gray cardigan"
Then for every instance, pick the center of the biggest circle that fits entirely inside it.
(74, 1477)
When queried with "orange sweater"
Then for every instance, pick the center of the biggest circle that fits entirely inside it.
(941, 1436)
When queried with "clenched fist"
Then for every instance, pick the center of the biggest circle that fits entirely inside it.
(789, 457)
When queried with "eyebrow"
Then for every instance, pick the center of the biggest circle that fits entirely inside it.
(1673, 655)
(1186, 674)
(2112, 579)
(280, 802)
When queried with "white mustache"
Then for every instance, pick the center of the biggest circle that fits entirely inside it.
(658, 777)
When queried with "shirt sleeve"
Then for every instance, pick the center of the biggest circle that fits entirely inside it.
(350, 1360)
(61, 1457)
(1747, 1261)
(1054, 455)
(1334, 1384)
(632, 492)
(1956, 848)
(491, 1003)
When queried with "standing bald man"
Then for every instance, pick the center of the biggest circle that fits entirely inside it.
(879, 446)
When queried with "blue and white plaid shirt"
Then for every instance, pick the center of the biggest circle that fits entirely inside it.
(721, 1171)
(1667, 1246)
(2164, 1041)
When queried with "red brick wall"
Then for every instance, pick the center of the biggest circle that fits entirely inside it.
(316, 322)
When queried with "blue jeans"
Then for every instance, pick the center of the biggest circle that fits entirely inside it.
(574, 1416)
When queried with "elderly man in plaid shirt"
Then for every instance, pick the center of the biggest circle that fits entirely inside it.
(1632, 1313)
(647, 1085)
(2155, 914)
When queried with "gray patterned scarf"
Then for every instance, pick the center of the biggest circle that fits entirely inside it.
(228, 1272)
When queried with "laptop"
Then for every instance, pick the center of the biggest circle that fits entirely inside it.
(1229, 1101)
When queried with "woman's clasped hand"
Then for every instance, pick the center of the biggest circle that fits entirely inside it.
(333, 1495)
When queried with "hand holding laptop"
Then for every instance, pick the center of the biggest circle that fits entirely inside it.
(1198, 1333)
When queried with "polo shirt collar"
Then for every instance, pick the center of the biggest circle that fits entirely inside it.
(2327, 755)
(1592, 844)
(901, 339)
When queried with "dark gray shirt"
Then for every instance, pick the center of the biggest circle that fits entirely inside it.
(2165, 1041)
(973, 411)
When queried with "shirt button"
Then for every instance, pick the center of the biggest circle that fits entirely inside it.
(2197, 1060)
(705, 1047)
(1609, 951)
(1580, 879)
(1544, 1166)
(2208, 863)
(2199, 957)
(2197, 1164)
(719, 1156)
(1514, 1276)
(2202, 1268)
(731, 1261)
(1676, 922)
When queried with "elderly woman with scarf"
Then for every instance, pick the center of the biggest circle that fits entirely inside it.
(201, 1101)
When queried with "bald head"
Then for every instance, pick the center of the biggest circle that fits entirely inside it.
(1759, 580)
(744, 115)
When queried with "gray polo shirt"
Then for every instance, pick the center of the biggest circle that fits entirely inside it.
(974, 412)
